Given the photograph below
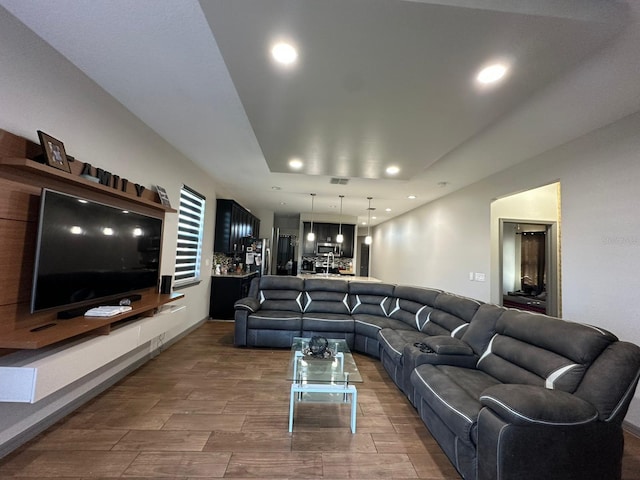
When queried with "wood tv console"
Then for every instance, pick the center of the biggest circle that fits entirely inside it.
(21, 183)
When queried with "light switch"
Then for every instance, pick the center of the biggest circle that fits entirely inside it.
(479, 277)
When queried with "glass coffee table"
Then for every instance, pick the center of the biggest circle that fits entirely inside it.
(323, 379)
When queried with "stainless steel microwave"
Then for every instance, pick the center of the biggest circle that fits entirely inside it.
(325, 249)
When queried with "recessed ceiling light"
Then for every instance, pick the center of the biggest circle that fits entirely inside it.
(295, 163)
(373, 218)
(364, 223)
(392, 170)
(284, 53)
(411, 197)
(492, 73)
(387, 209)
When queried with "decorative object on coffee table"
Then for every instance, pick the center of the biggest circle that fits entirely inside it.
(54, 153)
(318, 348)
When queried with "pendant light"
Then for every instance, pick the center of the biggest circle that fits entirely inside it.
(311, 236)
(368, 239)
(340, 237)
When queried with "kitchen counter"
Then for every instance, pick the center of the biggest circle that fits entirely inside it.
(225, 290)
(336, 276)
(234, 275)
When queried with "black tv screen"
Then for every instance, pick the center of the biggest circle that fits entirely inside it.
(88, 251)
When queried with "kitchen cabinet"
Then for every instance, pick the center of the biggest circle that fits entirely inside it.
(308, 248)
(349, 233)
(327, 233)
(225, 291)
(233, 223)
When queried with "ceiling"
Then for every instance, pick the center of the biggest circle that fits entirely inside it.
(377, 83)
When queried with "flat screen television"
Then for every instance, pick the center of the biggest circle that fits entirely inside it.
(88, 252)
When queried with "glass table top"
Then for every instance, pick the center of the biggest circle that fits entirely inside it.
(338, 368)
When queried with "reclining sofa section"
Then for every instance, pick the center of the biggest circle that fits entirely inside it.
(507, 394)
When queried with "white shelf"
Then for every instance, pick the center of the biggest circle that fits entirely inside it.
(30, 376)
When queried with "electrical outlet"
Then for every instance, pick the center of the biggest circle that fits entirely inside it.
(471, 276)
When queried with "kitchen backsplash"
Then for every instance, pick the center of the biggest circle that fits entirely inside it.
(311, 262)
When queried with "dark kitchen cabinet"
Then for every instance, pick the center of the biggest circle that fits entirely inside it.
(233, 222)
(327, 233)
(348, 232)
(225, 291)
(308, 248)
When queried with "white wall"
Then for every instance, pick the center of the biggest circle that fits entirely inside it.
(40, 89)
(600, 234)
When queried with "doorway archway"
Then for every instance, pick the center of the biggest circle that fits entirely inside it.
(532, 283)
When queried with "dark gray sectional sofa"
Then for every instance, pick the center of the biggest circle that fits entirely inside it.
(507, 394)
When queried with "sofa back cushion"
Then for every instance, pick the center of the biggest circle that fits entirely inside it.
(280, 293)
(539, 350)
(322, 295)
(368, 298)
(451, 314)
(413, 306)
(482, 327)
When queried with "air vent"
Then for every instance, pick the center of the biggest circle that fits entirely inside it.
(339, 181)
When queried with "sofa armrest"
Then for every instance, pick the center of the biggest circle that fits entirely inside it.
(445, 345)
(440, 350)
(249, 304)
(528, 404)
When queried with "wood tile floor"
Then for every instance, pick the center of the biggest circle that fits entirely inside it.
(204, 409)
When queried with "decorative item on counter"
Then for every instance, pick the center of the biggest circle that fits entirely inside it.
(54, 153)
(222, 263)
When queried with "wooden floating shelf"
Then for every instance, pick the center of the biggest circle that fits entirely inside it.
(56, 330)
(31, 168)
(22, 179)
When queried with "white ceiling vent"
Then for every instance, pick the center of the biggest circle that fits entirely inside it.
(339, 181)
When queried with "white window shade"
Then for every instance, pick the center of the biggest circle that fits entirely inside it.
(190, 231)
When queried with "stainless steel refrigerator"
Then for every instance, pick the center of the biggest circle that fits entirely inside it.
(258, 256)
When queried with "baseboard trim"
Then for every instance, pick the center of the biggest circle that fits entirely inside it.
(630, 428)
(37, 428)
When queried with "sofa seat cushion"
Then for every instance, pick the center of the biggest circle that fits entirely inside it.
(274, 320)
(370, 325)
(393, 341)
(453, 393)
(327, 322)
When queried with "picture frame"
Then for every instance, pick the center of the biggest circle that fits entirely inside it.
(54, 152)
(164, 198)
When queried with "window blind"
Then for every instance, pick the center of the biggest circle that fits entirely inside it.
(190, 232)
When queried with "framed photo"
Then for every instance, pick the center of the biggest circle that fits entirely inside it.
(164, 198)
(54, 153)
